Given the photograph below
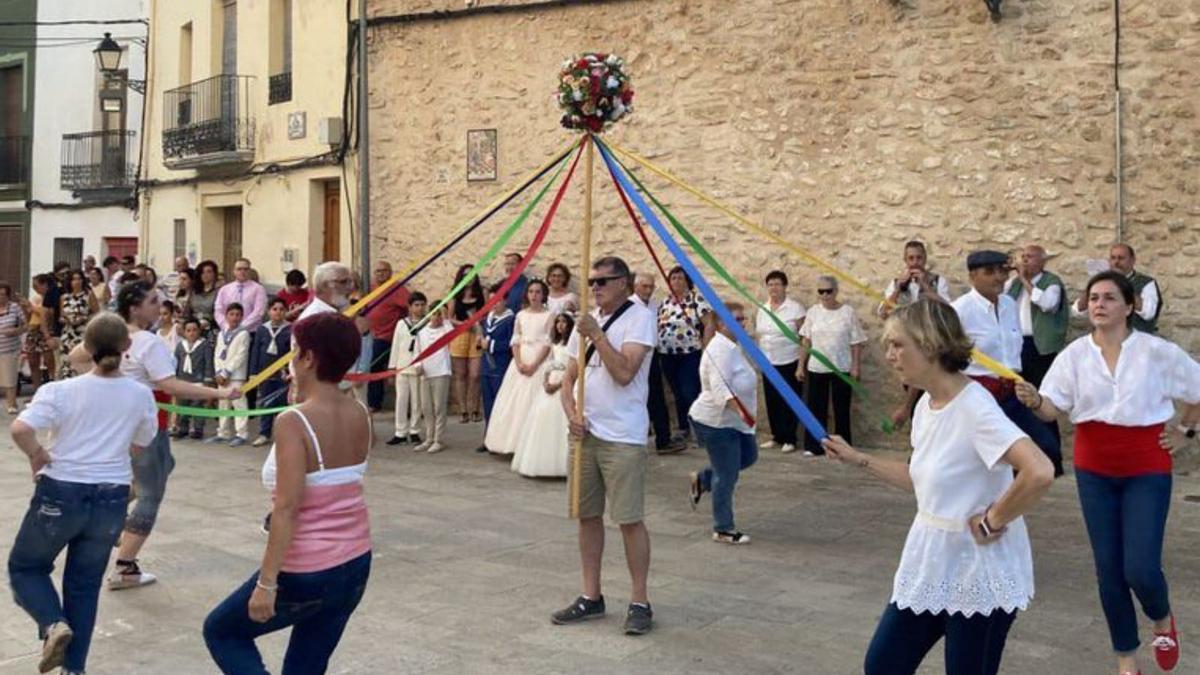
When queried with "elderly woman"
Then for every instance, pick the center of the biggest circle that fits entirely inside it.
(562, 300)
(1119, 387)
(967, 566)
(685, 325)
(833, 330)
(12, 327)
(318, 554)
(784, 355)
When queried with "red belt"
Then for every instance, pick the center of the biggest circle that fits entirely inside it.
(1000, 389)
(1120, 451)
(161, 397)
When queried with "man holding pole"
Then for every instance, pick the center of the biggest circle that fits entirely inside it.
(614, 428)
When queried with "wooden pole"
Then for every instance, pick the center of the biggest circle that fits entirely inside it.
(585, 268)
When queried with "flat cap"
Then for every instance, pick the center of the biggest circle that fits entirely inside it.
(985, 258)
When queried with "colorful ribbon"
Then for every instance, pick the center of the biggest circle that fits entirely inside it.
(805, 416)
(189, 411)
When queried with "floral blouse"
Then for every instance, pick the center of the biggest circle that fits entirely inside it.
(681, 325)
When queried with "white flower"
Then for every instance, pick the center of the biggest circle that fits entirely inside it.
(577, 95)
(612, 82)
(613, 60)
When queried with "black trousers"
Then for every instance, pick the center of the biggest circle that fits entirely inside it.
(379, 363)
(783, 420)
(822, 387)
(1034, 367)
(656, 404)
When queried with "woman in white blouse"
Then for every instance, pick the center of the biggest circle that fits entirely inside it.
(784, 355)
(722, 418)
(967, 566)
(1119, 387)
(831, 329)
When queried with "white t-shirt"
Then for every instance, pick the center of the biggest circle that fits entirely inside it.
(1151, 373)
(996, 336)
(832, 332)
(92, 421)
(316, 306)
(779, 348)
(725, 373)
(616, 413)
(148, 359)
(956, 473)
(438, 363)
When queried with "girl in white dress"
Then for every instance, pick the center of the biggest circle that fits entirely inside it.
(560, 299)
(523, 380)
(542, 447)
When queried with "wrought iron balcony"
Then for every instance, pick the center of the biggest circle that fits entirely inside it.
(99, 160)
(209, 123)
(14, 160)
(280, 88)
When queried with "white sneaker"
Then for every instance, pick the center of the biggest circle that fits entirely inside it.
(809, 453)
(54, 649)
(766, 446)
(129, 576)
(423, 447)
(435, 447)
(733, 538)
(787, 447)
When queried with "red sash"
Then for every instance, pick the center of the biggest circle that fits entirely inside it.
(1001, 389)
(1119, 451)
(161, 397)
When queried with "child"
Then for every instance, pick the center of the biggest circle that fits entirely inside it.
(435, 382)
(497, 352)
(231, 361)
(166, 324)
(408, 384)
(294, 296)
(271, 341)
(542, 446)
(193, 363)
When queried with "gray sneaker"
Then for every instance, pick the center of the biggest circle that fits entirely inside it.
(638, 619)
(580, 610)
(54, 649)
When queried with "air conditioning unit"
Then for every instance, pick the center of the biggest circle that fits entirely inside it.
(330, 131)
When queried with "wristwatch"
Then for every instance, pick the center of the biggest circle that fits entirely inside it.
(1188, 432)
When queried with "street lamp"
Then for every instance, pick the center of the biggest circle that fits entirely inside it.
(108, 59)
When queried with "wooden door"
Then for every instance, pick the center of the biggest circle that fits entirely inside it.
(232, 247)
(12, 245)
(332, 247)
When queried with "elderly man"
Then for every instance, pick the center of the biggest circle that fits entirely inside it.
(656, 405)
(331, 286)
(1147, 303)
(621, 334)
(990, 318)
(89, 264)
(171, 281)
(1042, 310)
(382, 314)
(246, 292)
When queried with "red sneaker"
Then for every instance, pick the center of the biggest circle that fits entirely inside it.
(1166, 647)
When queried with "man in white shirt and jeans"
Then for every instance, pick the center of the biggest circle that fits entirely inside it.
(991, 319)
(614, 427)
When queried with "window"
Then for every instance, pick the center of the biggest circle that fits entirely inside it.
(68, 250)
(180, 238)
(280, 56)
(185, 54)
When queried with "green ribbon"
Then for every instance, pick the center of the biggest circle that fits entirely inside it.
(708, 258)
(495, 249)
(189, 411)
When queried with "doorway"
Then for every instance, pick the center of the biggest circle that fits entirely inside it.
(231, 248)
(331, 248)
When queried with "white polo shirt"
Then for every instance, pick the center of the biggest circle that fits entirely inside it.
(617, 413)
(995, 329)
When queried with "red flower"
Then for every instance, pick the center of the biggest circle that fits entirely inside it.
(594, 123)
(627, 96)
(595, 88)
(581, 63)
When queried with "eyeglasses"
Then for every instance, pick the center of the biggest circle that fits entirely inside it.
(826, 291)
(601, 282)
(740, 319)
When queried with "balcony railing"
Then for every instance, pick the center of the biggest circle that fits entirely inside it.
(14, 160)
(280, 89)
(99, 160)
(209, 123)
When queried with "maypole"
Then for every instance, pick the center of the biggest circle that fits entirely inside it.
(585, 268)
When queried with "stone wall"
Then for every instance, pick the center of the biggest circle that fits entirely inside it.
(846, 126)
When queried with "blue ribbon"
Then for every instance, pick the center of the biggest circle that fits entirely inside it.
(743, 339)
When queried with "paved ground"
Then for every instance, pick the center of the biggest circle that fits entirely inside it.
(470, 559)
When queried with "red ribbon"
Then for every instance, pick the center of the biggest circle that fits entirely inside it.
(637, 225)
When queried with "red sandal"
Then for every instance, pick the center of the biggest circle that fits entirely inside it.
(1166, 647)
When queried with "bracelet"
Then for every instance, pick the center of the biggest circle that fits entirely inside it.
(269, 589)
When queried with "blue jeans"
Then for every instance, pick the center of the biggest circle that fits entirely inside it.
(316, 604)
(729, 453)
(379, 363)
(85, 519)
(1126, 519)
(683, 375)
(494, 367)
(151, 469)
(1036, 429)
(974, 645)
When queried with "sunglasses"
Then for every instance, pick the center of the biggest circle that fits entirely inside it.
(826, 291)
(601, 282)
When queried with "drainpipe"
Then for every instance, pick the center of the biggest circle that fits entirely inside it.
(364, 154)
(1117, 87)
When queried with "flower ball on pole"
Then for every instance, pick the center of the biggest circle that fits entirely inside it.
(594, 91)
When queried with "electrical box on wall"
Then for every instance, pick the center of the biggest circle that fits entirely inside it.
(289, 260)
(330, 130)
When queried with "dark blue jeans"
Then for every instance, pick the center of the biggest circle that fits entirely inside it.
(1126, 519)
(1036, 429)
(379, 363)
(270, 395)
(317, 605)
(85, 519)
(729, 453)
(493, 369)
(974, 645)
(656, 404)
(683, 375)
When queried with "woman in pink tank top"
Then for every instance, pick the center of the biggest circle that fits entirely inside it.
(318, 557)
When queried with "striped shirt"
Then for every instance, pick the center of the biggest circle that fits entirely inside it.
(13, 318)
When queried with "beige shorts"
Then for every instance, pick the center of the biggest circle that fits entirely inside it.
(616, 473)
(8, 370)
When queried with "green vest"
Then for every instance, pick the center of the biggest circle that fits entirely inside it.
(1141, 281)
(1049, 328)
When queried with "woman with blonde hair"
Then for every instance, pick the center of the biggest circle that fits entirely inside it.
(967, 566)
(81, 489)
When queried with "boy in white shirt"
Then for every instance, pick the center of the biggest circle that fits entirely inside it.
(230, 362)
(435, 382)
(408, 383)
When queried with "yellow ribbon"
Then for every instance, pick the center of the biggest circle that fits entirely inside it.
(354, 309)
(979, 357)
